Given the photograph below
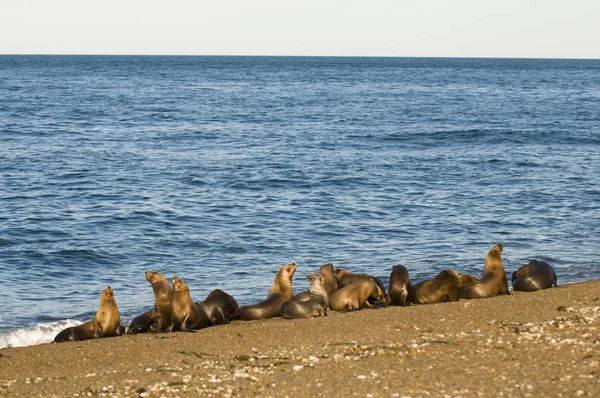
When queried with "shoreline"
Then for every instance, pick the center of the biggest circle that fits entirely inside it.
(526, 344)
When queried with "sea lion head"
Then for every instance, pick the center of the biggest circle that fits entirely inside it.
(287, 271)
(326, 269)
(466, 279)
(331, 282)
(108, 293)
(155, 277)
(493, 261)
(179, 285)
(453, 274)
(340, 274)
(317, 282)
(378, 294)
(524, 270)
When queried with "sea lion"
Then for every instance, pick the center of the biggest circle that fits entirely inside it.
(466, 280)
(185, 313)
(345, 278)
(493, 282)
(355, 295)
(219, 307)
(158, 319)
(316, 305)
(331, 283)
(535, 275)
(400, 289)
(281, 291)
(143, 323)
(443, 288)
(106, 323)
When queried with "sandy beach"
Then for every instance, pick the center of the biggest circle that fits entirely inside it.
(545, 343)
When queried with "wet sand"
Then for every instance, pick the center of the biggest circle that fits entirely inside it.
(545, 343)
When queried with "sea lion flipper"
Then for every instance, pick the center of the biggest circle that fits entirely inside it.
(218, 317)
(99, 333)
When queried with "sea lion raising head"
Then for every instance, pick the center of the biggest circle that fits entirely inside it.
(331, 283)
(158, 319)
(316, 305)
(106, 323)
(185, 313)
(493, 282)
(281, 291)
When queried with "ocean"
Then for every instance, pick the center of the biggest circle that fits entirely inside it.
(222, 169)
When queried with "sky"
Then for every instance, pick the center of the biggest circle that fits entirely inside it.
(421, 28)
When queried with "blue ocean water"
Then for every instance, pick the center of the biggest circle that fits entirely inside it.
(222, 169)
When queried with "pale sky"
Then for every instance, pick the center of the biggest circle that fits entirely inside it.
(434, 28)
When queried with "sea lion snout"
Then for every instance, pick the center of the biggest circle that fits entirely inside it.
(150, 275)
(177, 283)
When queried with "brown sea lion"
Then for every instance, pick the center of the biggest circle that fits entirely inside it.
(443, 288)
(219, 307)
(400, 289)
(185, 313)
(158, 319)
(281, 291)
(346, 277)
(355, 295)
(466, 280)
(316, 305)
(535, 275)
(493, 282)
(106, 323)
(331, 284)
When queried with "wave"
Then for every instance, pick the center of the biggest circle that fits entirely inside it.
(39, 334)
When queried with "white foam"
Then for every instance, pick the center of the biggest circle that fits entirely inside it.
(39, 334)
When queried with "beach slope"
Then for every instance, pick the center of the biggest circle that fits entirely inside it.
(545, 343)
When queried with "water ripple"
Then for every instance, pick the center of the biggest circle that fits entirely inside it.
(220, 170)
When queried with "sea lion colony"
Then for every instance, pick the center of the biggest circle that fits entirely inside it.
(335, 289)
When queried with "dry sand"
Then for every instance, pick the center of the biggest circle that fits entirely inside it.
(545, 343)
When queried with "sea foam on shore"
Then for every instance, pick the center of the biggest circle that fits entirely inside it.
(38, 334)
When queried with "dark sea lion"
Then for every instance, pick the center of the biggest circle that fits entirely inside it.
(316, 305)
(535, 275)
(331, 283)
(219, 307)
(346, 277)
(158, 319)
(143, 323)
(185, 313)
(355, 295)
(400, 290)
(466, 279)
(281, 291)
(493, 282)
(106, 323)
(443, 288)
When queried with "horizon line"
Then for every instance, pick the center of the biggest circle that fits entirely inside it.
(295, 56)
